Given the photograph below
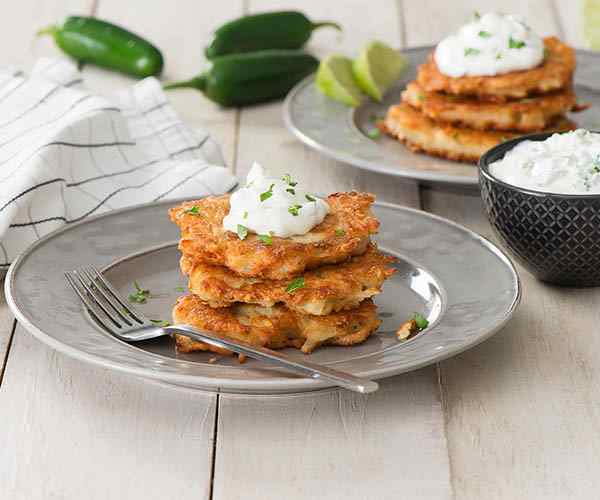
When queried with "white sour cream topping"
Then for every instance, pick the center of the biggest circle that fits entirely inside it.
(566, 163)
(267, 205)
(490, 45)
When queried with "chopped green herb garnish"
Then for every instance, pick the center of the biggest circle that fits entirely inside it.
(294, 209)
(515, 44)
(267, 194)
(242, 232)
(287, 178)
(140, 294)
(476, 14)
(596, 165)
(310, 198)
(546, 53)
(267, 239)
(498, 56)
(245, 216)
(340, 232)
(374, 133)
(485, 34)
(295, 284)
(421, 321)
(193, 210)
(375, 118)
(291, 190)
(160, 322)
(470, 51)
(180, 289)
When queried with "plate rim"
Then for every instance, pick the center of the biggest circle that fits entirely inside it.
(370, 166)
(275, 385)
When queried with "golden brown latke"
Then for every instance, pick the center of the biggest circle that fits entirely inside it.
(274, 327)
(525, 115)
(555, 72)
(421, 134)
(344, 232)
(326, 289)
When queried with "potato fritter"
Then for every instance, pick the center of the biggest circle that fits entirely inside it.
(554, 73)
(326, 289)
(344, 232)
(530, 114)
(421, 134)
(274, 327)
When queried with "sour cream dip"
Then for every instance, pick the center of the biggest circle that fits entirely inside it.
(491, 44)
(567, 163)
(273, 206)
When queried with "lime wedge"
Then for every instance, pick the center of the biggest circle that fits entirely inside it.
(591, 23)
(335, 80)
(377, 67)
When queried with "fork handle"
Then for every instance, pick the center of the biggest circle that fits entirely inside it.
(313, 370)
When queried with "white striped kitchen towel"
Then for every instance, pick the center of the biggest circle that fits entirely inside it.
(67, 153)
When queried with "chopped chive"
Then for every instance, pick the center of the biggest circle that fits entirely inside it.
(193, 210)
(498, 56)
(291, 190)
(470, 51)
(294, 209)
(267, 239)
(485, 34)
(140, 294)
(295, 284)
(267, 194)
(340, 232)
(476, 14)
(515, 44)
(180, 289)
(421, 321)
(160, 322)
(242, 232)
(245, 216)
(374, 134)
(287, 178)
(310, 198)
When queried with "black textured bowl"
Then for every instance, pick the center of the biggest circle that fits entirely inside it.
(556, 237)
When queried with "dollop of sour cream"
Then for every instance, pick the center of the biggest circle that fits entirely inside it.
(274, 207)
(567, 163)
(490, 45)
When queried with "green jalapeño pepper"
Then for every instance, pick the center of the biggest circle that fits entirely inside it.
(271, 30)
(92, 40)
(253, 77)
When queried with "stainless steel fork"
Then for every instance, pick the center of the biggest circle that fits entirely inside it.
(125, 322)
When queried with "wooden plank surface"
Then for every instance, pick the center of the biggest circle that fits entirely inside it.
(6, 330)
(570, 17)
(335, 445)
(70, 430)
(521, 409)
(21, 48)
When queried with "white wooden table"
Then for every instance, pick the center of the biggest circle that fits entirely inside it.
(517, 417)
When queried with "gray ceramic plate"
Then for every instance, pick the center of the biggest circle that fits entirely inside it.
(465, 286)
(341, 132)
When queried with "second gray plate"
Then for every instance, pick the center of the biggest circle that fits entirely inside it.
(342, 133)
(465, 286)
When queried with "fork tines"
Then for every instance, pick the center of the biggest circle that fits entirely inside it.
(102, 300)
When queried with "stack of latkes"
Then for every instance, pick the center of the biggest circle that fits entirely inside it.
(461, 118)
(303, 291)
